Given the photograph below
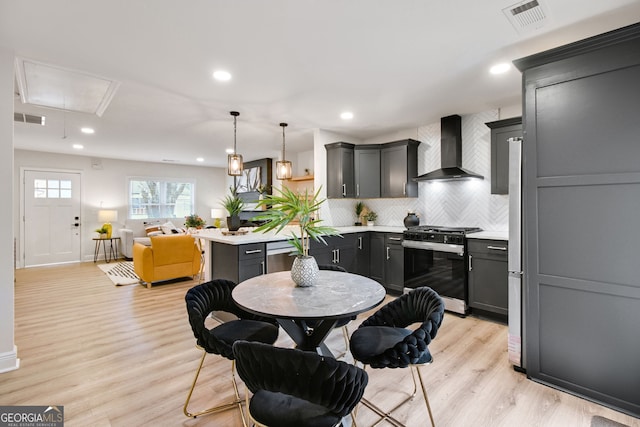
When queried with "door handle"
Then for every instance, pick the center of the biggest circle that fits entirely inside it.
(360, 242)
(76, 224)
(395, 238)
(337, 256)
(388, 256)
(262, 266)
(470, 262)
(254, 251)
(497, 248)
(344, 190)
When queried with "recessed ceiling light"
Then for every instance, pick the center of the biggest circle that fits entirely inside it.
(347, 115)
(229, 150)
(500, 68)
(78, 146)
(200, 159)
(87, 130)
(221, 75)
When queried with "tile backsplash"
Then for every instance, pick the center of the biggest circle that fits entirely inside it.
(450, 203)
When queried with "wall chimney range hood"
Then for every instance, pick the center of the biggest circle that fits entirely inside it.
(450, 153)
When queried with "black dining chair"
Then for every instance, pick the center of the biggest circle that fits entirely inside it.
(201, 301)
(384, 341)
(342, 323)
(296, 388)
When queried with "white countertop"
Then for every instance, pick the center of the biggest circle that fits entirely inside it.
(489, 235)
(215, 235)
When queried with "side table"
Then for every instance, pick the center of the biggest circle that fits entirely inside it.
(110, 254)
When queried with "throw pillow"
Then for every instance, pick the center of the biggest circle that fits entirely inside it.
(168, 227)
(152, 229)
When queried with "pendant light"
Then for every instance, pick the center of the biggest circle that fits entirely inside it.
(234, 160)
(283, 167)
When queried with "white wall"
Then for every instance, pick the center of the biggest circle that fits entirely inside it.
(8, 352)
(107, 187)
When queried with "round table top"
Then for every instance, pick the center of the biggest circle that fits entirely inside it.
(335, 295)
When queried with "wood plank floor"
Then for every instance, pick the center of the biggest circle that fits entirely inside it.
(125, 356)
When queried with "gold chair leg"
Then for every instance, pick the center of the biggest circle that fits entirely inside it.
(237, 403)
(386, 415)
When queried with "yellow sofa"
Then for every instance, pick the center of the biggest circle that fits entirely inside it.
(168, 257)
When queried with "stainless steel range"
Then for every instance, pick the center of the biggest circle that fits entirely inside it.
(436, 257)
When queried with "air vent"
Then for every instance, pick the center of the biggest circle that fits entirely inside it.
(526, 16)
(28, 118)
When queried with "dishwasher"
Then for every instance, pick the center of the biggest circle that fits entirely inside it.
(280, 255)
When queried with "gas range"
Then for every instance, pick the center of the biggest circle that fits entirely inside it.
(438, 234)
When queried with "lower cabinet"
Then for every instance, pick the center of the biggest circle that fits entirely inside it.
(394, 263)
(237, 262)
(377, 255)
(488, 276)
(339, 251)
(362, 253)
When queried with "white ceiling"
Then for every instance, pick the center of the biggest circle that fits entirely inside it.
(395, 64)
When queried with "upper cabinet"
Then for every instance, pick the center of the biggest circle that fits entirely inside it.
(372, 170)
(367, 171)
(340, 170)
(399, 165)
(501, 131)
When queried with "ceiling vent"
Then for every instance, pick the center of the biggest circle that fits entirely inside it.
(526, 16)
(28, 118)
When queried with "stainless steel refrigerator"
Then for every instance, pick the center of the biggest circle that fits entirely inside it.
(516, 338)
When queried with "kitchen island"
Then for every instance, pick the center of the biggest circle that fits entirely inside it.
(246, 253)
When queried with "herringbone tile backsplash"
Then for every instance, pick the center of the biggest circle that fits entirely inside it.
(467, 203)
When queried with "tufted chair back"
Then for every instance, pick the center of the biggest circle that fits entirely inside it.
(307, 376)
(421, 305)
(201, 300)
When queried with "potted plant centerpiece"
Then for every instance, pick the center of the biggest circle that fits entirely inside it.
(289, 207)
(193, 222)
(234, 205)
(102, 231)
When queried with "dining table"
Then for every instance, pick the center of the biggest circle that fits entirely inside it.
(308, 314)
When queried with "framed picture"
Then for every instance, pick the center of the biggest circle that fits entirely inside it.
(256, 175)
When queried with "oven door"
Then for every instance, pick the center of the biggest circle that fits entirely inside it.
(440, 267)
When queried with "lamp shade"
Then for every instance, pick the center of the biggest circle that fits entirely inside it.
(217, 213)
(107, 215)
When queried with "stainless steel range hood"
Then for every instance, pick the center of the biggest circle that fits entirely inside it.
(450, 153)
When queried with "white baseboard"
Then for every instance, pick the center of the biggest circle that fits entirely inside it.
(9, 360)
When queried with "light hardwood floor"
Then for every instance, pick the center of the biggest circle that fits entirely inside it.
(125, 356)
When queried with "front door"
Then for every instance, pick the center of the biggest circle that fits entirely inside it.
(51, 217)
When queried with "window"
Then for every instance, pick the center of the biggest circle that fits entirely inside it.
(51, 189)
(160, 198)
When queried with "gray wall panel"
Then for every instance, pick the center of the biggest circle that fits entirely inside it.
(587, 232)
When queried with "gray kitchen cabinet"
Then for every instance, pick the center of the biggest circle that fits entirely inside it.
(237, 262)
(581, 197)
(363, 253)
(340, 251)
(501, 131)
(488, 276)
(340, 170)
(398, 167)
(367, 171)
(377, 256)
(394, 263)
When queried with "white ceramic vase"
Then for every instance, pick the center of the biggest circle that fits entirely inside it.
(304, 271)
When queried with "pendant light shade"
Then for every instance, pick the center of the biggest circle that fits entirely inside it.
(283, 167)
(234, 160)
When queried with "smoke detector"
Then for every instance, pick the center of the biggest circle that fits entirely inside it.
(526, 16)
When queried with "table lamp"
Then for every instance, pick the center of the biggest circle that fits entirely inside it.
(107, 216)
(216, 214)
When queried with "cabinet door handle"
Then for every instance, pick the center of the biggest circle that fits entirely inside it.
(337, 256)
(360, 242)
(470, 264)
(263, 269)
(344, 190)
(253, 251)
(388, 256)
(358, 190)
(397, 239)
(497, 248)
(404, 188)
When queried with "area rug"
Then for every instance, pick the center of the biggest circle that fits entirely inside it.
(120, 273)
(598, 421)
